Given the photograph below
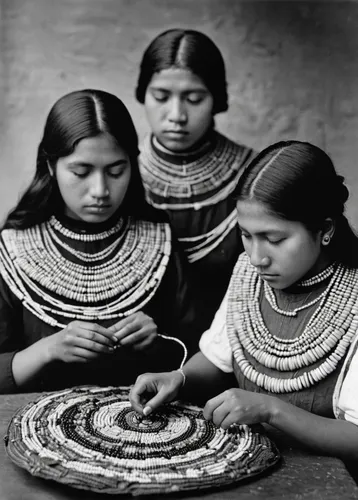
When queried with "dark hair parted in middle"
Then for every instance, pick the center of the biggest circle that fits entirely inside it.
(76, 116)
(297, 181)
(186, 49)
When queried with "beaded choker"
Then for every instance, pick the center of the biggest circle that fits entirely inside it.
(325, 338)
(193, 180)
(318, 278)
(61, 274)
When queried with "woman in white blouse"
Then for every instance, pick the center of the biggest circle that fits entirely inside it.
(287, 326)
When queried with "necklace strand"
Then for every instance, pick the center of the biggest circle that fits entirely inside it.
(318, 278)
(201, 183)
(53, 287)
(271, 299)
(325, 338)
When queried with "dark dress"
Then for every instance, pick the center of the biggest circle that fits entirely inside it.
(135, 267)
(196, 191)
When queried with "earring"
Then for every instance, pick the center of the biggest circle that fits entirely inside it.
(326, 239)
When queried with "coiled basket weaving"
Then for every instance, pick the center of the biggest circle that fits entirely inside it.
(90, 438)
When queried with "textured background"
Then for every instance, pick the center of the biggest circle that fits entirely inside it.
(292, 70)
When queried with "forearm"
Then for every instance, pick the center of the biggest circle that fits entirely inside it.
(28, 363)
(325, 435)
(203, 379)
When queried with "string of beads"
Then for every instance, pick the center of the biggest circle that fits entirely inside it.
(194, 180)
(197, 247)
(112, 283)
(98, 442)
(205, 181)
(271, 299)
(318, 278)
(325, 338)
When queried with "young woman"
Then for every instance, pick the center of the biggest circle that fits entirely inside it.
(89, 282)
(188, 168)
(287, 327)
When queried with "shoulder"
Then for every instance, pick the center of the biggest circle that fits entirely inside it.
(243, 266)
(240, 151)
(151, 233)
(17, 236)
(243, 282)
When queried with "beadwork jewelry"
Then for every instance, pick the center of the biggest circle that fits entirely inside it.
(271, 299)
(318, 278)
(192, 184)
(112, 283)
(90, 438)
(197, 247)
(195, 180)
(181, 371)
(325, 339)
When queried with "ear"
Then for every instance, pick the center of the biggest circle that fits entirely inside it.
(327, 232)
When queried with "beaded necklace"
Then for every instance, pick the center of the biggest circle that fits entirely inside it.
(192, 181)
(112, 283)
(318, 278)
(314, 280)
(325, 338)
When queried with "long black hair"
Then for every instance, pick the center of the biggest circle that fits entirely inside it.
(187, 49)
(297, 181)
(76, 116)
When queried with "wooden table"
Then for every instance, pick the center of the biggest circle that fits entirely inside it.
(300, 475)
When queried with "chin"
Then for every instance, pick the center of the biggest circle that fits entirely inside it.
(176, 146)
(95, 218)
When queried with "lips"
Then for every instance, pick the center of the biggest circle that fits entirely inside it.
(175, 132)
(98, 206)
(268, 276)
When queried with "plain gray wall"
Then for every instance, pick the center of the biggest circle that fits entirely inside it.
(292, 70)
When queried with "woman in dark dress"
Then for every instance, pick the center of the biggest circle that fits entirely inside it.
(189, 169)
(287, 327)
(90, 284)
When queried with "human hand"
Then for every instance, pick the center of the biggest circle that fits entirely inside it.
(137, 330)
(163, 386)
(80, 342)
(236, 406)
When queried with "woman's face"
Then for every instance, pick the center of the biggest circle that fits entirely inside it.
(179, 108)
(94, 179)
(283, 252)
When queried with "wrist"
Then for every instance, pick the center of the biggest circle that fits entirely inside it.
(47, 351)
(183, 376)
(274, 409)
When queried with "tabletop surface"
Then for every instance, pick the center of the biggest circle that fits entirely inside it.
(300, 475)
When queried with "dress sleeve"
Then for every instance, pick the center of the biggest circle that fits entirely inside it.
(10, 334)
(345, 397)
(214, 343)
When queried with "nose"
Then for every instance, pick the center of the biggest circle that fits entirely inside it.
(99, 186)
(257, 255)
(177, 111)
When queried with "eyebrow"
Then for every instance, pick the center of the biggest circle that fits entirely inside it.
(90, 165)
(263, 233)
(191, 91)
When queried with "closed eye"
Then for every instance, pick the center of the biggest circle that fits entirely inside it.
(195, 98)
(275, 242)
(117, 171)
(82, 172)
(160, 95)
